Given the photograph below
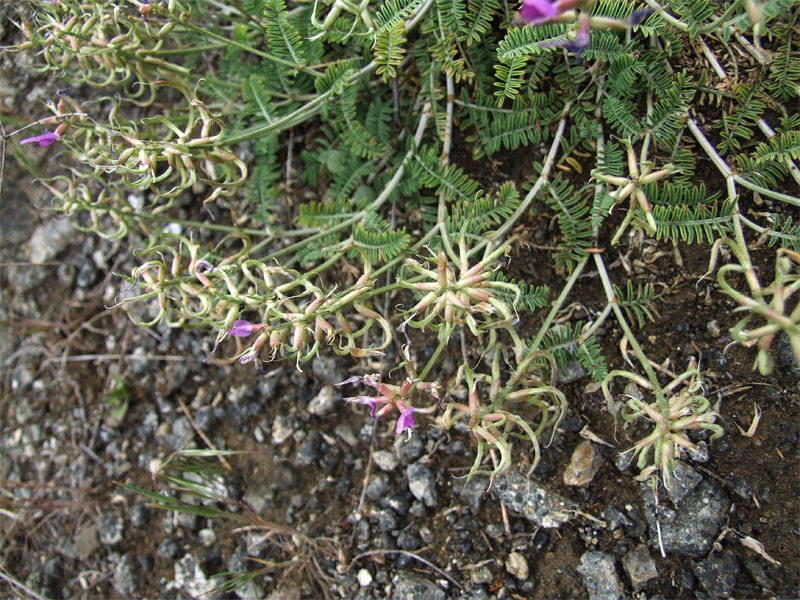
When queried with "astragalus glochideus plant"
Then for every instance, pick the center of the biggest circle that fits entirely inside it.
(634, 125)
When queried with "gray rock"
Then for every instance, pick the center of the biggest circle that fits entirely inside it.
(86, 541)
(49, 240)
(700, 452)
(615, 518)
(422, 483)
(472, 491)
(411, 587)
(600, 576)
(168, 549)
(532, 500)
(109, 528)
(572, 372)
(624, 460)
(190, 578)
(237, 563)
(309, 451)
(329, 369)
(684, 479)
(140, 514)
(583, 465)
(640, 567)
(386, 461)
(691, 529)
(377, 487)
(16, 216)
(323, 403)
(408, 450)
(481, 575)
(386, 519)
(717, 574)
(345, 433)
(125, 577)
(181, 434)
(408, 540)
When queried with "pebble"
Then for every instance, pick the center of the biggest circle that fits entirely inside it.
(517, 566)
(140, 514)
(109, 529)
(191, 579)
(684, 479)
(408, 450)
(323, 403)
(282, 429)
(422, 483)
(168, 549)
(600, 576)
(472, 491)
(125, 577)
(412, 587)
(532, 500)
(386, 461)
(49, 240)
(691, 529)
(717, 574)
(640, 567)
(364, 578)
(386, 519)
(207, 536)
(309, 451)
(345, 433)
(408, 540)
(584, 464)
(377, 487)
(481, 575)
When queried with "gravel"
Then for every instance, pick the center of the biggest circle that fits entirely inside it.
(532, 500)
(600, 576)
(422, 483)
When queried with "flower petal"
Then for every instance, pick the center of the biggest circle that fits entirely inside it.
(537, 10)
(405, 420)
(44, 139)
(241, 328)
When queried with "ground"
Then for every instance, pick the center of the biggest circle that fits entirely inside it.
(327, 502)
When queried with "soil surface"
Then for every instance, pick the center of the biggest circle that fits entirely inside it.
(323, 501)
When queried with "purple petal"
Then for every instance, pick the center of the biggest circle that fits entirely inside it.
(638, 16)
(537, 10)
(366, 400)
(405, 420)
(241, 328)
(205, 264)
(247, 357)
(44, 139)
(353, 379)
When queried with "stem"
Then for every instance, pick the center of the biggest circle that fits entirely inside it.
(651, 375)
(432, 360)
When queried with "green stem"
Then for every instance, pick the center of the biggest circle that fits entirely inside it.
(432, 360)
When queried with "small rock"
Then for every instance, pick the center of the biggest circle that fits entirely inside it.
(583, 465)
(692, 528)
(408, 450)
(191, 579)
(422, 483)
(377, 487)
(329, 369)
(364, 578)
(344, 433)
(572, 372)
(481, 576)
(684, 479)
(86, 541)
(600, 576)
(49, 240)
(533, 500)
(472, 491)
(624, 460)
(140, 515)
(517, 566)
(640, 567)
(386, 519)
(125, 577)
(207, 536)
(109, 528)
(615, 518)
(717, 574)
(386, 461)
(168, 549)
(309, 451)
(700, 452)
(713, 328)
(411, 587)
(323, 403)
(408, 541)
(282, 429)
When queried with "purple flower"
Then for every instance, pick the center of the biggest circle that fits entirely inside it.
(581, 40)
(205, 264)
(638, 16)
(537, 10)
(364, 400)
(44, 139)
(405, 420)
(241, 328)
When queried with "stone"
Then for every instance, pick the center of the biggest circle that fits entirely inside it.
(386, 461)
(481, 576)
(140, 515)
(49, 240)
(323, 403)
(532, 500)
(282, 429)
(600, 576)
(364, 577)
(309, 451)
(689, 530)
(640, 567)
(377, 487)
(717, 574)
(86, 541)
(125, 577)
(684, 479)
(422, 483)
(412, 587)
(408, 450)
(517, 566)
(583, 465)
(191, 579)
(472, 491)
(109, 528)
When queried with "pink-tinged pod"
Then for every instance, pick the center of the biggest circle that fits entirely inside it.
(298, 337)
(323, 328)
(477, 295)
(424, 303)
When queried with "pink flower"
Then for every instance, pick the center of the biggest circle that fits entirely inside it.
(242, 328)
(405, 420)
(44, 139)
(537, 10)
(366, 400)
